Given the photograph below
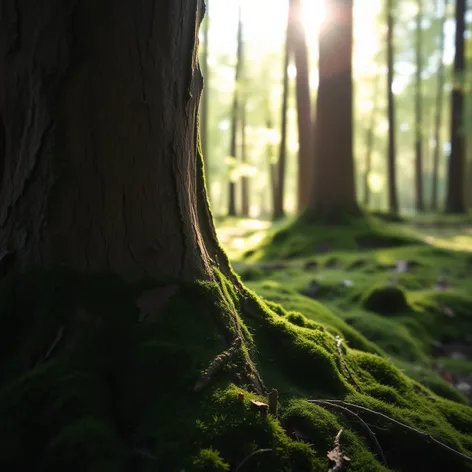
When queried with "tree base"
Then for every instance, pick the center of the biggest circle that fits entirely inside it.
(86, 385)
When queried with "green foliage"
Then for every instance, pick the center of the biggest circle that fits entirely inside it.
(386, 300)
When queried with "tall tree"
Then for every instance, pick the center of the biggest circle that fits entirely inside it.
(305, 129)
(334, 190)
(370, 139)
(419, 110)
(205, 92)
(244, 178)
(279, 211)
(455, 199)
(235, 114)
(391, 168)
(439, 108)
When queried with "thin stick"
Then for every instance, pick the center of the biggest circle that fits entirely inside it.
(371, 433)
(402, 425)
(255, 453)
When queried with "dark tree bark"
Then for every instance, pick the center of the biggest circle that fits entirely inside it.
(271, 166)
(300, 52)
(205, 92)
(419, 112)
(100, 169)
(438, 113)
(235, 114)
(370, 139)
(279, 211)
(334, 181)
(391, 168)
(455, 198)
(244, 178)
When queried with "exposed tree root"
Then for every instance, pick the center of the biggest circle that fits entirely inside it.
(217, 364)
(415, 431)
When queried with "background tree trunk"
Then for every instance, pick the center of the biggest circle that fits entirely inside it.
(438, 113)
(305, 128)
(455, 199)
(279, 211)
(235, 115)
(391, 168)
(370, 139)
(98, 153)
(334, 182)
(205, 93)
(244, 178)
(419, 111)
(271, 167)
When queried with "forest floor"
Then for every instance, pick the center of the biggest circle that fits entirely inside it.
(431, 272)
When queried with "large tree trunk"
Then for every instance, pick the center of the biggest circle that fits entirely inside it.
(204, 99)
(391, 168)
(455, 198)
(370, 139)
(235, 115)
(101, 146)
(419, 111)
(438, 112)
(334, 179)
(279, 211)
(300, 51)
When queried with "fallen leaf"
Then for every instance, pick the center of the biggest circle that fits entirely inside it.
(336, 455)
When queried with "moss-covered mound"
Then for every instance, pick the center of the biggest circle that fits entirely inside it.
(386, 300)
(100, 375)
(306, 236)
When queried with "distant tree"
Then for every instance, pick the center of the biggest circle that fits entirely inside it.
(455, 197)
(235, 114)
(279, 211)
(271, 166)
(370, 139)
(391, 169)
(419, 202)
(305, 129)
(244, 179)
(439, 108)
(334, 179)
(204, 100)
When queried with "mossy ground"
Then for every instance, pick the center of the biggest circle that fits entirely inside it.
(116, 394)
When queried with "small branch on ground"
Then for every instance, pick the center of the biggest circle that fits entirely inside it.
(339, 341)
(363, 423)
(58, 337)
(426, 436)
(250, 456)
(217, 364)
(337, 455)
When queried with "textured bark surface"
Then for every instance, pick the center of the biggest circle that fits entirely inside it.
(455, 198)
(204, 99)
(334, 179)
(391, 166)
(305, 159)
(99, 162)
(419, 202)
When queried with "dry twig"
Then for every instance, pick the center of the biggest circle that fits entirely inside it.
(339, 341)
(250, 456)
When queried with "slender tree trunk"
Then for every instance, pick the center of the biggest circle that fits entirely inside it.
(438, 113)
(300, 51)
(97, 155)
(455, 199)
(419, 111)
(279, 211)
(271, 167)
(204, 99)
(370, 139)
(334, 178)
(235, 114)
(244, 178)
(391, 169)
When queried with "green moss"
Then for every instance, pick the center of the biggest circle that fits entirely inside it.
(386, 300)
(210, 460)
